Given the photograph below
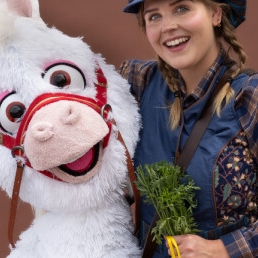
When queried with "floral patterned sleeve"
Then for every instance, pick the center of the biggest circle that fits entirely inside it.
(244, 242)
(247, 110)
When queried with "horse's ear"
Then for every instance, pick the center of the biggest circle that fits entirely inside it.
(21, 7)
(25, 8)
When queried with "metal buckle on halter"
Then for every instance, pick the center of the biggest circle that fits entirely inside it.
(105, 108)
(16, 148)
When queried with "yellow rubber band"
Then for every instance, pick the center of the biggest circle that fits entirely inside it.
(172, 244)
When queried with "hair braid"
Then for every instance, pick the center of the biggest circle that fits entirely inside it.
(227, 33)
(169, 75)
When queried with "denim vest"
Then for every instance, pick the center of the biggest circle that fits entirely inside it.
(158, 143)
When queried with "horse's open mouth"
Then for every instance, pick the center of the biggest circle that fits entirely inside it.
(83, 165)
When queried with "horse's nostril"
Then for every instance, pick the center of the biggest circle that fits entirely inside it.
(42, 131)
(70, 116)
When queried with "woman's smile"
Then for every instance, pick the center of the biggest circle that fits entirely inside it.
(176, 42)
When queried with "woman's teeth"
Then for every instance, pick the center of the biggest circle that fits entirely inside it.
(176, 42)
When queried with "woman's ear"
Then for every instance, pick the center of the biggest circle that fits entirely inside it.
(216, 16)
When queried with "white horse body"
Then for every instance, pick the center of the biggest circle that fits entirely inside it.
(75, 168)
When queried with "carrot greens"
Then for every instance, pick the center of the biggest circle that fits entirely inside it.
(173, 195)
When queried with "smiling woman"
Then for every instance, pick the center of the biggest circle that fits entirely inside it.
(200, 63)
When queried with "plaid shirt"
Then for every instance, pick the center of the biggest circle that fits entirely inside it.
(242, 242)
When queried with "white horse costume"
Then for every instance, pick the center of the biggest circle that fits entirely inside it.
(62, 112)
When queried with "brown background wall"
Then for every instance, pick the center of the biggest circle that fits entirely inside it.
(116, 35)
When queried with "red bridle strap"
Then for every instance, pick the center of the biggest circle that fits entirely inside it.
(44, 99)
(7, 140)
(101, 88)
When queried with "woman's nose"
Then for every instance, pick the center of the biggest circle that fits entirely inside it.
(169, 23)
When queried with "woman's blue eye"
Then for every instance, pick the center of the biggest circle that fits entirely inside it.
(181, 9)
(154, 17)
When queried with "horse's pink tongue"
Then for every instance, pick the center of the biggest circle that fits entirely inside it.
(83, 163)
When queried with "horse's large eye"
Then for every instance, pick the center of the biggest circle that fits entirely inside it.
(11, 112)
(60, 79)
(65, 75)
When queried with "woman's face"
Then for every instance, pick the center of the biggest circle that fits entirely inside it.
(182, 32)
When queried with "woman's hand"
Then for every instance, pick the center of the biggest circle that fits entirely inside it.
(193, 246)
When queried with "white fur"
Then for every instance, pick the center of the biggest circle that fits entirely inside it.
(87, 219)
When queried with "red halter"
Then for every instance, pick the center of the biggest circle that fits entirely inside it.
(99, 105)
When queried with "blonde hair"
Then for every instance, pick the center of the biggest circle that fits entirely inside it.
(226, 33)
